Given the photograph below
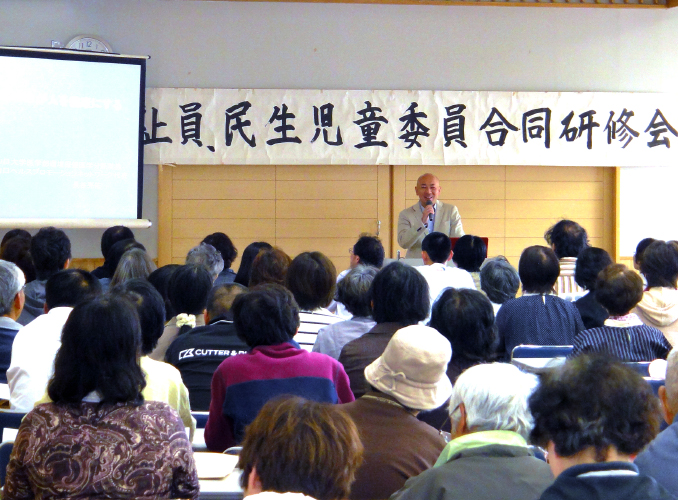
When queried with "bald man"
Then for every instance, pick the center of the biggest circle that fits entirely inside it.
(427, 216)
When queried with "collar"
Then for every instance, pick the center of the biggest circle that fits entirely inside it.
(478, 439)
(386, 328)
(602, 469)
(623, 321)
(321, 311)
(9, 324)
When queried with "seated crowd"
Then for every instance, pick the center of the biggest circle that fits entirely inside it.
(381, 381)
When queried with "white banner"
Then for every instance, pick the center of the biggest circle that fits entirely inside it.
(224, 126)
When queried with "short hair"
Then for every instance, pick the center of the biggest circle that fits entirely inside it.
(672, 380)
(594, 401)
(538, 269)
(640, 249)
(112, 235)
(466, 318)
(18, 251)
(437, 246)
(188, 289)
(660, 265)
(567, 237)
(370, 250)
(251, 251)
(150, 308)
(354, 290)
(265, 315)
(224, 246)
(220, 300)
(15, 233)
(495, 397)
(12, 281)
(160, 280)
(618, 289)
(50, 249)
(208, 256)
(116, 252)
(499, 280)
(469, 253)
(302, 446)
(312, 279)
(134, 263)
(70, 287)
(399, 294)
(590, 262)
(269, 266)
(99, 349)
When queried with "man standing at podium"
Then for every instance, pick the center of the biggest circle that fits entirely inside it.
(427, 216)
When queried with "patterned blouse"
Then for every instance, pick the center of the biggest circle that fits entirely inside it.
(93, 451)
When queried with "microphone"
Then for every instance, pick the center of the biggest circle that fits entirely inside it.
(428, 204)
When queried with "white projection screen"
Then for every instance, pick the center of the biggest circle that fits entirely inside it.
(71, 135)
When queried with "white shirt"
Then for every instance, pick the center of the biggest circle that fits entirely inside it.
(33, 352)
(441, 277)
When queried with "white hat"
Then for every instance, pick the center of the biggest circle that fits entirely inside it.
(413, 368)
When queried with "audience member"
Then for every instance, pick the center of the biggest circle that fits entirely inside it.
(488, 457)
(199, 352)
(567, 239)
(14, 233)
(134, 263)
(640, 250)
(407, 378)
(590, 262)
(251, 251)
(18, 251)
(499, 280)
(115, 253)
(299, 449)
(99, 439)
(228, 252)
(399, 297)
(269, 266)
(207, 256)
(593, 414)
(12, 298)
(110, 237)
(659, 305)
(160, 280)
(266, 318)
(538, 317)
(354, 293)
(623, 336)
(51, 252)
(468, 254)
(35, 346)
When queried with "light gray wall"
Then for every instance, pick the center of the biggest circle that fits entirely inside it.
(347, 46)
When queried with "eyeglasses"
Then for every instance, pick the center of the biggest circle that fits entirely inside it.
(350, 251)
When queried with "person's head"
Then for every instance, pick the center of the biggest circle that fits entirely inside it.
(368, 251)
(265, 315)
(112, 235)
(18, 251)
(300, 446)
(15, 233)
(12, 283)
(188, 289)
(590, 262)
(469, 253)
(466, 318)
(640, 250)
(567, 238)
(224, 246)
(160, 280)
(618, 289)
(269, 266)
(251, 251)
(538, 269)
(354, 290)
(593, 408)
(660, 264)
(399, 294)
(134, 263)
(436, 248)
(668, 393)
(51, 251)
(499, 280)
(312, 279)
(427, 189)
(116, 252)
(208, 256)
(220, 301)
(150, 308)
(99, 352)
(70, 287)
(491, 397)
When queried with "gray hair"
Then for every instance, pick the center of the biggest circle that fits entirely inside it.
(207, 256)
(499, 280)
(12, 280)
(354, 290)
(495, 398)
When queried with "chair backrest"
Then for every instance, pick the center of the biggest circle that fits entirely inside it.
(10, 420)
(541, 351)
(5, 452)
(200, 418)
(642, 367)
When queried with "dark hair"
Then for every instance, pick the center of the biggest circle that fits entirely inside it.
(251, 251)
(594, 401)
(469, 253)
(15, 233)
(538, 269)
(302, 446)
(590, 262)
(370, 250)
(466, 318)
(50, 249)
(112, 235)
(224, 246)
(220, 300)
(499, 280)
(70, 287)
(640, 249)
(399, 294)
(312, 279)
(160, 280)
(116, 252)
(437, 246)
(134, 263)
(354, 290)
(567, 237)
(618, 289)
(188, 289)
(150, 309)
(265, 315)
(269, 266)
(99, 349)
(660, 265)
(18, 251)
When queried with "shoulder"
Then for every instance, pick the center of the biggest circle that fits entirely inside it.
(158, 369)
(409, 211)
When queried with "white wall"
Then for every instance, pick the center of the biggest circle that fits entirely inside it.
(348, 46)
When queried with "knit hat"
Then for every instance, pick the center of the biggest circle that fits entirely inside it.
(413, 368)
